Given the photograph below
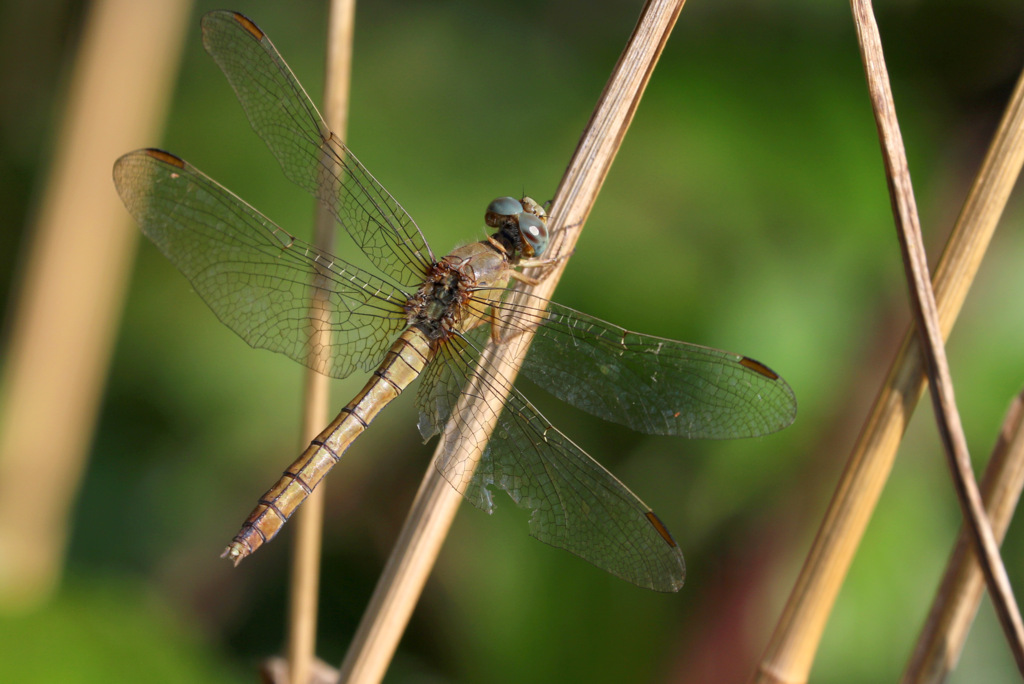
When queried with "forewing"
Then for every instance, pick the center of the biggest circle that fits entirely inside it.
(259, 280)
(311, 156)
(650, 384)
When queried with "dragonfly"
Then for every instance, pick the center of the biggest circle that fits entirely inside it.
(408, 314)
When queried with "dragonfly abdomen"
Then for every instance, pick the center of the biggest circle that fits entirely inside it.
(404, 361)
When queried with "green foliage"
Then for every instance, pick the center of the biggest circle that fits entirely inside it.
(747, 211)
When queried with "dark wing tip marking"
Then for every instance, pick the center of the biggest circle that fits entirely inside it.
(660, 527)
(249, 26)
(166, 157)
(759, 367)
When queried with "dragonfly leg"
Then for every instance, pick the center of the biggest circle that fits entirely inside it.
(525, 279)
(503, 333)
(495, 322)
(545, 265)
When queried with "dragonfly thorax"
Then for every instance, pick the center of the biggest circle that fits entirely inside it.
(436, 306)
(456, 291)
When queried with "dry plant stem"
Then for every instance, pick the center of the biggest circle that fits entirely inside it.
(790, 654)
(275, 670)
(927, 319)
(956, 602)
(67, 305)
(306, 553)
(436, 502)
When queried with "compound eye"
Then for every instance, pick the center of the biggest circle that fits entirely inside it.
(534, 234)
(501, 210)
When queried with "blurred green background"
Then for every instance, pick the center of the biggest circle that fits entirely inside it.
(747, 210)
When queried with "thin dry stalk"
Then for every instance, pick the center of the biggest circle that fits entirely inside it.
(275, 670)
(790, 653)
(436, 502)
(75, 275)
(306, 553)
(956, 602)
(927, 318)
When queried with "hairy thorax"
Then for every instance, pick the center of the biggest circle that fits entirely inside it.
(458, 290)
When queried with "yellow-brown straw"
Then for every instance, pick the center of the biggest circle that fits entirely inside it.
(790, 653)
(956, 602)
(68, 303)
(302, 614)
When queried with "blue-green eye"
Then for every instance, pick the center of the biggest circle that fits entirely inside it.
(501, 210)
(534, 233)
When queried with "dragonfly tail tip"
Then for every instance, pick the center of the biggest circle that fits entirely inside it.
(235, 553)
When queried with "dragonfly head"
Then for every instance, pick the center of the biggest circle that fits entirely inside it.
(522, 224)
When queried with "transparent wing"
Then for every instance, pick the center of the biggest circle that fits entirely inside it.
(576, 504)
(650, 384)
(258, 279)
(443, 380)
(311, 156)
